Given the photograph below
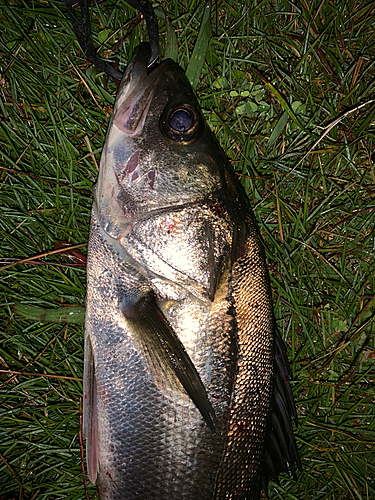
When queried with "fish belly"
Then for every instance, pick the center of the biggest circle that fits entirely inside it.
(151, 441)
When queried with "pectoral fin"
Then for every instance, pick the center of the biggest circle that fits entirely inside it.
(90, 412)
(165, 351)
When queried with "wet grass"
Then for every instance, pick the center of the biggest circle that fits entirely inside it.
(288, 89)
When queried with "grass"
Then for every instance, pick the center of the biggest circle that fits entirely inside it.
(288, 89)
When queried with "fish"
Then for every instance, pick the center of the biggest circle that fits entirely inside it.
(186, 388)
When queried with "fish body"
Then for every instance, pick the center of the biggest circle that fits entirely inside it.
(181, 371)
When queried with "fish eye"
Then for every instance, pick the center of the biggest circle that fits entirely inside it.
(181, 120)
(181, 123)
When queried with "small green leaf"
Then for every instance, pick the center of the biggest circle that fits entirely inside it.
(340, 325)
(221, 82)
(258, 93)
(241, 108)
(103, 35)
(296, 105)
(263, 106)
(214, 120)
(91, 72)
(238, 74)
(246, 107)
(251, 107)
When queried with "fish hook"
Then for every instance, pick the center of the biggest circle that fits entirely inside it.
(146, 9)
(82, 30)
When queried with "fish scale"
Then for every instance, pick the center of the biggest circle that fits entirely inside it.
(252, 393)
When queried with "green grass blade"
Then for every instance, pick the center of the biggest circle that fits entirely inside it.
(194, 69)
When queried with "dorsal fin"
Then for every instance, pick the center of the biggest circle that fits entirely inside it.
(280, 447)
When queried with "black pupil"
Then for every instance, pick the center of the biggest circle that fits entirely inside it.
(181, 120)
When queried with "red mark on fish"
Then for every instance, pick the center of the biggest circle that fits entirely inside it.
(241, 427)
(151, 178)
(131, 165)
(169, 225)
(217, 209)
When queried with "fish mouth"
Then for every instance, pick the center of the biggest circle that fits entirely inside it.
(136, 91)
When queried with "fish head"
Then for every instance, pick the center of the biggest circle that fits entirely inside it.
(159, 152)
